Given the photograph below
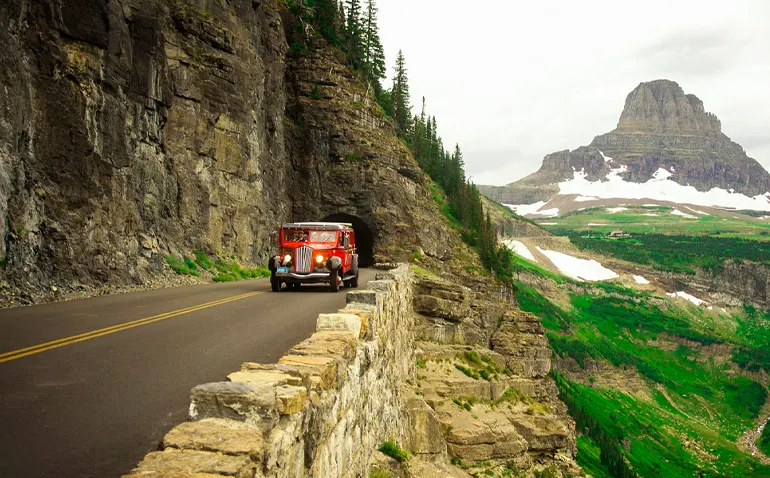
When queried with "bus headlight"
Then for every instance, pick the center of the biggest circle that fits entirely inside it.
(287, 259)
(319, 259)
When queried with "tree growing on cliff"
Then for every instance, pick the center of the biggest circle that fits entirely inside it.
(326, 20)
(354, 35)
(402, 111)
(374, 54)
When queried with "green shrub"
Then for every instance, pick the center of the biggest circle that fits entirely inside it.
(391, 448)
(182, 266)
(316, 93)
(202, 259)
(764, 440)
(466, 371)
(377, 473)
(745, 396)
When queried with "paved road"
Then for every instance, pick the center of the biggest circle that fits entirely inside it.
(94, 404)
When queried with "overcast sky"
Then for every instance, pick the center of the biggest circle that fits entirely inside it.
(512, 81)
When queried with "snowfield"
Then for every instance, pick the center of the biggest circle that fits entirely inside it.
(614, 210)
(659, 187)
(641, 280)
(525, 209)
(686, 296)
(698, 212)
(578, 269)
(520, 249)
(677, 212)
(532, 209)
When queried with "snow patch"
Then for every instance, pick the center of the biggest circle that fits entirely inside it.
(548, 212)
(686, 296)
(650, 214)
(660, 188)
(585, 198)
(597, 223)
(677, 212)
(519, 248)
(698, 212)
(524, 209)
(606, 158)
(579, 269)
(548, 223)
(641, 280)
(615, 210)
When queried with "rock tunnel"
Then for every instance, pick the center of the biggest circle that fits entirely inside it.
(364, 236)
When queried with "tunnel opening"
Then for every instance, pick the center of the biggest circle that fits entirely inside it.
(364, 237)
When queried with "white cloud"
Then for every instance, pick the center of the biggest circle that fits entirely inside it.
(519, 80)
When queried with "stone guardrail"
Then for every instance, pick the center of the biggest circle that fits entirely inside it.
(321, 411)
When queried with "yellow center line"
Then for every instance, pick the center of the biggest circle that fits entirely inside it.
(35, 349)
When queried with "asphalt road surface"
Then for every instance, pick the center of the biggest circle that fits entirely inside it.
(88, 387)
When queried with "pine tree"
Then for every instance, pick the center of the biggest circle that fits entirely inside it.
(354, 35)
(402, 111)
(374, 53)
(326, 12)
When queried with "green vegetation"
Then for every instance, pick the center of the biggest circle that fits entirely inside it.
(479, 366)
(391, 448)
(590, 459)
(222, 270)
(377, 473)
(692, 408)
(677, 253)
(183, 266)
(659, 220)
(764, 441)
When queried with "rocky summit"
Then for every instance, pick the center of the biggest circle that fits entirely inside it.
(660, 127)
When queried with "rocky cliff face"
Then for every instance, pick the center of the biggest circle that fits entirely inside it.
(137, 128)
(660, 127)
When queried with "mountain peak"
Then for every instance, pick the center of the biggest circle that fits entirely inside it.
(662, 107)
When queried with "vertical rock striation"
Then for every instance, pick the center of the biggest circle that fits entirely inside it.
(134, 129)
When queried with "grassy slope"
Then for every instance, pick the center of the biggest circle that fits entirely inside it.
(709, 406)
(635, 220)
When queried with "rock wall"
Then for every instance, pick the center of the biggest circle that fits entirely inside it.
(322, 410)
(735, 283)
(482, 373)
(134, 129)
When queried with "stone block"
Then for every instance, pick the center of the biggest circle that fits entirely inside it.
(178, 463)
(291, 399)
(340, 322)
(368, 297)
(322, 370)
(264, 378)
(233, 400)
(366, 317)
(215, 435)
(386, 286)
(339, 345)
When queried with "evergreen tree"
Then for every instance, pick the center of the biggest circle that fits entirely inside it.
(354, 35)
(402, 111)
(374, 53)
(326, 20)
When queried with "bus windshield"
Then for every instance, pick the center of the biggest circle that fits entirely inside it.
(329, 237)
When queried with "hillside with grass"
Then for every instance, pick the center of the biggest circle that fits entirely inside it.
(657, 387)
